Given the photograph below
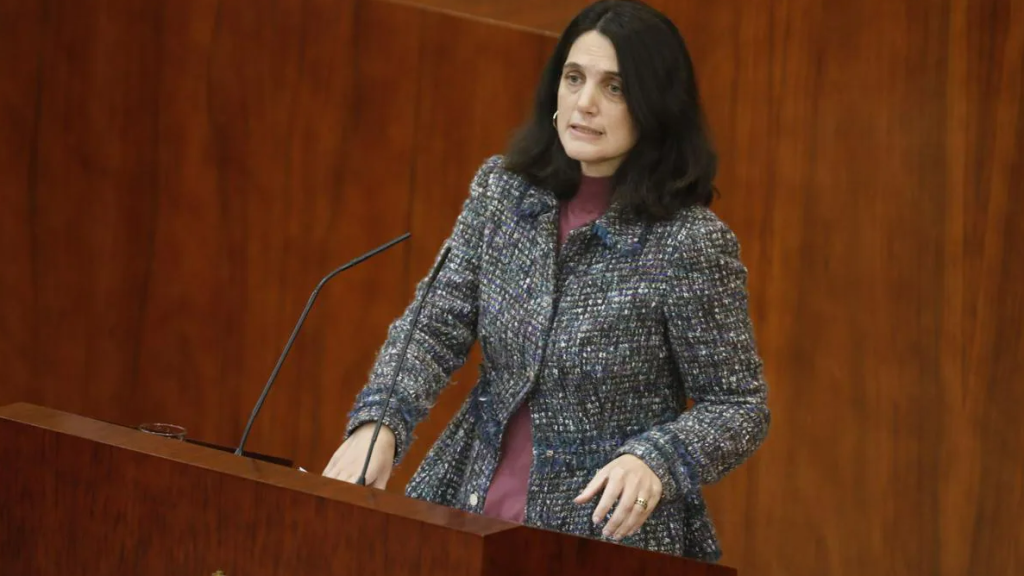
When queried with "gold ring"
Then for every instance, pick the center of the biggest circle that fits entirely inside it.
(642, 502)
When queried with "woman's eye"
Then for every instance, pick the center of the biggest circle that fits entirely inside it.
(573, 78)
(615, 89)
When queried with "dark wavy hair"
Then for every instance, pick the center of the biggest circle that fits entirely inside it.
(673, 164)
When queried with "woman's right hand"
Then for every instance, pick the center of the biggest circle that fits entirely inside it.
(347, 462)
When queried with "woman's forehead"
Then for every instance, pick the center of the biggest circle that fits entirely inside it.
(593, 52)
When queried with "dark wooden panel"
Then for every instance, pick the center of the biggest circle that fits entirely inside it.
(21, 25)
(177, 177)
(862, 297)
(982, 355)
(87, 258)
(93, 498)
(164, 215)
(540, 16)
(376, 180)
(356, 192)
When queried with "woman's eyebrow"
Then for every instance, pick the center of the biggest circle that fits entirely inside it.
(575, 66)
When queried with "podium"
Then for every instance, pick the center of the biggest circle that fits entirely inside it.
(79, 496)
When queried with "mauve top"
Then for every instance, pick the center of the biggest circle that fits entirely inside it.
(506, 497)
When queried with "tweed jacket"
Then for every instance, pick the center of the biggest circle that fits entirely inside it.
(605, 338)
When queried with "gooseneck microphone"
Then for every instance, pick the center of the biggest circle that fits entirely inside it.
(401, 358)
(298, 326)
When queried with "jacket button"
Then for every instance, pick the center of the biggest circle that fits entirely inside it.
(473, 499)
(550, 453)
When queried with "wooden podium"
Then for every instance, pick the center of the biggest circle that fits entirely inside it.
(78, 496)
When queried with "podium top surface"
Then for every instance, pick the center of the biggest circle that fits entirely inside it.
(228, 463)
(118, 500)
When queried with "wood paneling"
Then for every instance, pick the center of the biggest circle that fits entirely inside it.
(176, 176)
(94, 498)
(539, 16)
(853, 170)
(20, 39)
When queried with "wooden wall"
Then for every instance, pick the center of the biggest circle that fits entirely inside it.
(172, 191)
(175, 176)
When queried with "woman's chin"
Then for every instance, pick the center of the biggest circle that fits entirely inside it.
(587, 155)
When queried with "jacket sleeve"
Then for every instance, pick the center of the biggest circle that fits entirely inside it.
(444, 332)
(713, 344)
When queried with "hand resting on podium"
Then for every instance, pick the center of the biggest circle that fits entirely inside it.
(347, 462)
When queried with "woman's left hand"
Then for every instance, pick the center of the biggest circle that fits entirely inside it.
(630, 482)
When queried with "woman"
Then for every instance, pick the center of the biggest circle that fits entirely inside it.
(604, 293)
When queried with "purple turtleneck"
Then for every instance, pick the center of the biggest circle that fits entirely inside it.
(506, 497)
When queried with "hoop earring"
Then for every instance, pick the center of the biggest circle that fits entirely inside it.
(554, 120)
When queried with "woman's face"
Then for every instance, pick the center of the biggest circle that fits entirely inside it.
(593, 121)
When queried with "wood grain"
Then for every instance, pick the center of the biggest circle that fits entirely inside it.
(94, 498)
(175, 178)
(178, 176)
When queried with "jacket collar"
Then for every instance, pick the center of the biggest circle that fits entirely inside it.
(615, 230)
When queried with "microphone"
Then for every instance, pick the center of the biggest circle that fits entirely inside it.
(298, 326)
(401, 358)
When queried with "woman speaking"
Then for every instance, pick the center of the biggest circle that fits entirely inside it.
(620, 371)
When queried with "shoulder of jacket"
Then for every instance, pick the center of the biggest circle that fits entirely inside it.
(496, 184)
(698, 228)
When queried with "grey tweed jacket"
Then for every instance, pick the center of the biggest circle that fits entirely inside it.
(605, 338)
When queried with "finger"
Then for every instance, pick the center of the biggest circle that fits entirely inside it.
(336, 466)
(380, 470)
(346, 471)
(652, 503)
(380, 481)
(353, 470)
(381, 473)
(595, 485)
(612, 489)
(637, 516)
(623, 509)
